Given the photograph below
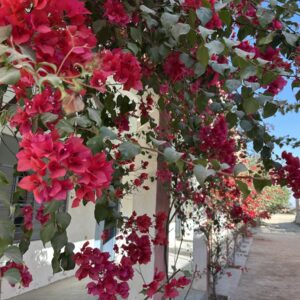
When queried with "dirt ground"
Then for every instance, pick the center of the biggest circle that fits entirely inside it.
(273, 266)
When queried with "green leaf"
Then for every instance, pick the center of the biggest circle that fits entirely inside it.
(95, 115)
(4, 199)
(136, 35)
(171, 155)
(133, 47)
(28, 52)
(261, 183)
(47, 232)
(230, 43)
(3, 179)
(246, 125)
(63, 219)
(248, 72)
(243, 54)
(96, 144)
(107, 133)
(187, 60)
(156, 142)
(13, 276)
(243, 187)
(219, 5)
(199, 69)
(205, 32)
(147, 10)
(5, 32)
(253, 85)
(215, 47)
(129, 150)
(3, 49)
(239, 168)
(9, 76)
(55, 262)
(180, 29)
(265, 16)
(250, 105)
(59, 240)
(269, 110)
(226, 17)
(233, 84)
(81, 121)
(7, 229)
(48, 117)
(267, 39)
(268, 77)
(64, 126)
(14, 254)
(204, 14)
(52, 207)
(103, 212)
(201, 173)
(296, 84)
(203, 55)
(168, 19)
(291, 38)
(221, 68)
(54, 80)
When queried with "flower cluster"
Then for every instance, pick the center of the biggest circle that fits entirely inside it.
(45, 102)
(290, 173)
(123, 66)
(216, 144)
(41, 216)
(25, 275)
(55, 30)
(169, 289)
(115, 12)
(191, 4)
(272, 56)
(111, 278)
(52, 159)
(28, 215)
(175, 69)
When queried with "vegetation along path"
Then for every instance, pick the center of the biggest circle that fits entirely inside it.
(273, 266)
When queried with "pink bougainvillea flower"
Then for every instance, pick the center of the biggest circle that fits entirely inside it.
(115, 12)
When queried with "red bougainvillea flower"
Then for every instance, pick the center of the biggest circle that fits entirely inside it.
(191, 4)
(46, 154)
(115, 12)
(64, 34)
(28, 215)
(290, 173)
(109, 279)
(41, 216)
(171, 288)
(26, 277)
(175, 69)
(152, 288)
(214, 141)
(124, 67)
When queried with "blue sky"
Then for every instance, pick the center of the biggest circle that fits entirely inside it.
(288, 124)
